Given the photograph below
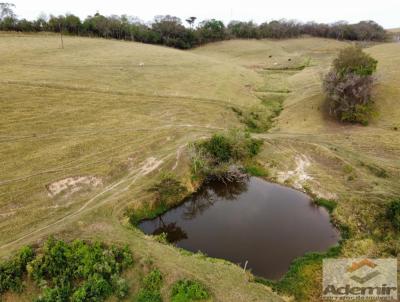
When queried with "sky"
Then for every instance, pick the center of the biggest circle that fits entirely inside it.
(385, 12)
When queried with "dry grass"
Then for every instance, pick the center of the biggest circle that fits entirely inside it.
(91, 110)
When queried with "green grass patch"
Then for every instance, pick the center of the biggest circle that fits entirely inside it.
(260, 118)
(168, 191)
(255, 169)
(328, 204)
(188, 290)
(145, 212)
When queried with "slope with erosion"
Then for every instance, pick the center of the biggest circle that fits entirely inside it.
(87, 129)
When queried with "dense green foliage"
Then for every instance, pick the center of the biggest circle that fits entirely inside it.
(330, 205)
(393, 213)
(76, 271)
(150, 291)
(170, 31)
(348, 86)
(168, 191)
(222, 155)
(188, 290)
(354, 60)
(13, 270)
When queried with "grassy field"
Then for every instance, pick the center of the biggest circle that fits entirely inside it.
(85, 131)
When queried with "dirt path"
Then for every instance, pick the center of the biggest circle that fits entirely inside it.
(149, 165)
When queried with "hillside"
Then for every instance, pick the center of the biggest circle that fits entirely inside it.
(86, 129)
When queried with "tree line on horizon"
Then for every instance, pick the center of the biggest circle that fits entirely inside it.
(171, 31)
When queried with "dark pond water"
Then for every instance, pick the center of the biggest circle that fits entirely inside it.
(264, 223)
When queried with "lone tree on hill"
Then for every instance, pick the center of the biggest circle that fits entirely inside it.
(348, 86)
(191, 21)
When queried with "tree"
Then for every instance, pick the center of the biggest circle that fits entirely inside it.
(211, 30)
(191, 21)
(348, 86)
(6, 10)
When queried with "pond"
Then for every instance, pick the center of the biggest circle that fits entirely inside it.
(263, 223)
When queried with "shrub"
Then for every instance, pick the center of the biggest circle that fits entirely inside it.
(148, 296)
(354, 60)
(80, 271)
(12, 271)
(188, 290)
(168, 189)
(348, 86)
(222, 155)
(151, 287)
(153, 281)
(219, 147)
(393, 213)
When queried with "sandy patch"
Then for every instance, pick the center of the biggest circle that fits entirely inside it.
(149, 165)
(71, 185)
(299, 175)
(178, 155)
(7, 214)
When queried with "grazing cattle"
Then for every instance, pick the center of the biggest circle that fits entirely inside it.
(141, 64)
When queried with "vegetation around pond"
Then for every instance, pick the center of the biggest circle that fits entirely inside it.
(167, 192)
(222, 156)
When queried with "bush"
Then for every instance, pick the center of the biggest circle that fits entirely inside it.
(12, 271)
(168, 189)
(151, 287)
(148, 296)
(222, 155)
(348, 86)
(354, 60)
(393, 213)
(188, 290)
(80, 271)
